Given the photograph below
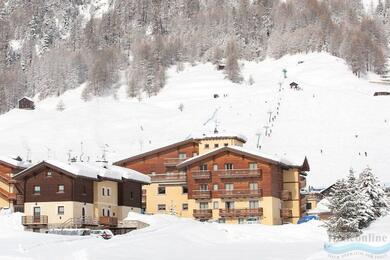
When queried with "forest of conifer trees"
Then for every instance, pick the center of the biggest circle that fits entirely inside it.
(50, 46)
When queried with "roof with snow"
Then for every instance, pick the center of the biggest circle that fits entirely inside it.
(322, 207)
(88, 170)
(303, 165)
(29, 99)
(16, 162)
(239, 137)
(157, 150)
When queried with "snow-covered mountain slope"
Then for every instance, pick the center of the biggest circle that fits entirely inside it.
(334, 120)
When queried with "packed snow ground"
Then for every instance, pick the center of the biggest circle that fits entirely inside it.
(171, 238)
(334, 121)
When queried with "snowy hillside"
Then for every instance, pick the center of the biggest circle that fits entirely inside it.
(334, 121)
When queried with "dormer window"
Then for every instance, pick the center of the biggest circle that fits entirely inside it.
(182, 156)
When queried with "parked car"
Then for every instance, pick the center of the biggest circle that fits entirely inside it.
(305, 219)
(103, 233)
(252, 221)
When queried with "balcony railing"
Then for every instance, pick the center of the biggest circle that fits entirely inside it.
(239, 193)
(302, 181)
(286, 213)
(169, 177)
(108, 221)
(201, 194)
(234, 213)
(286, 195)
(173, 161)
(201, 175)
(239, 173)
(8, 195)
(203, 213)
(34, 220)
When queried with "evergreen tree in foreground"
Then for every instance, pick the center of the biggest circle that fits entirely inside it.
(370, 187)
(343, 224)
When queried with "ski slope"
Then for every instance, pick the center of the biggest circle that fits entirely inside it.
(334, 120)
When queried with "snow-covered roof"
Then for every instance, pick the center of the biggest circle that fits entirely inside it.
(29, 99)
(14, 162)
(93, 170)
(322, 207)
(271, 158)
(223, 135)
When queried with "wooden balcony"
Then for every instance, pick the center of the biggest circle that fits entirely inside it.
(8, 195)
(239, 173)
(286, 213)
(170, 162)
(239, 193)
(201, 175)
(169, 177)
(203, 213)
(201, 194)
(108, 221)
(32, 220)
(234, 213)
(302, 182)
(286, 195)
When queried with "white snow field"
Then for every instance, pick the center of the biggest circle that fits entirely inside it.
(171, 238)
(334, 120)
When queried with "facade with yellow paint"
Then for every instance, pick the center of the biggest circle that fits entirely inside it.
(60, 195)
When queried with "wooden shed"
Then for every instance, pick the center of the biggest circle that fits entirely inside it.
(26, 103)
(293, 85)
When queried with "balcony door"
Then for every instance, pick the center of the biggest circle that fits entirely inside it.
(229, 205)
(37, 214)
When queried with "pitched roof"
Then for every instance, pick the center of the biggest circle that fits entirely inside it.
(154, 151)
(238, 137)
(29, 99)
(89, 170)
(250, 153)
(14, 163)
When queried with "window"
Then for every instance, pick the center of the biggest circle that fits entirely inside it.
(161, 190)
(225, 144)
(203, 167)
(161, 207)
(253, 186)
(215, 167)
(182, 156)
(215, 187)
(48, 174)
(254, 204)
(253, 166)
(228, 166)
(184, 189)
(215, 205)
(229, 186)
(104, 212)
(103, 193)
(216, 145)
(194, 154)
(203, 205)
(131, 195)
(203, 187)
(60, 210)
(206, 146)
(108, 191)
(229, 204)
(240, 221)
(61, 188)
(185, 206)
(37, 189)
(308, 205)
